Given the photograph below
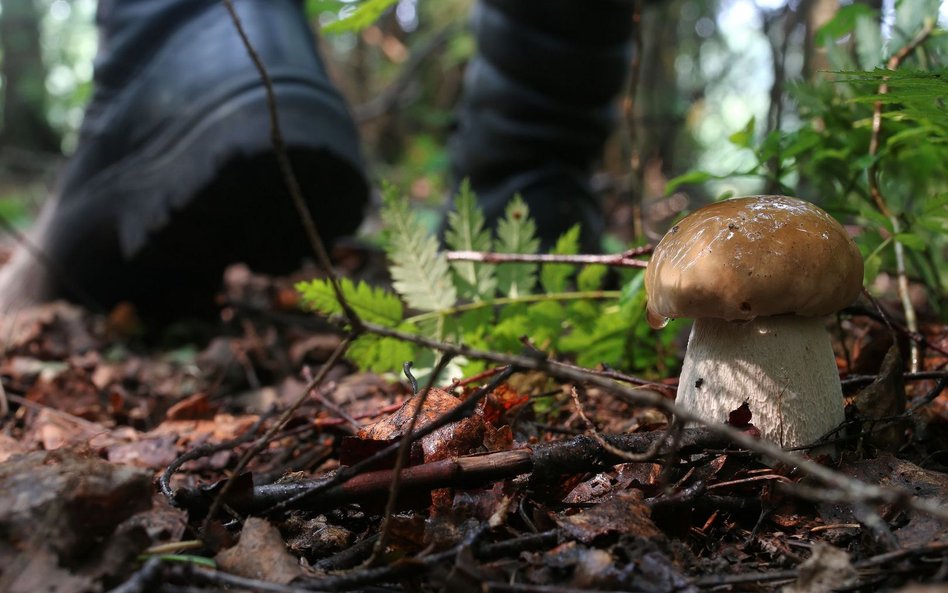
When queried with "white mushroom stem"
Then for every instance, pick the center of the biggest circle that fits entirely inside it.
(782, 366)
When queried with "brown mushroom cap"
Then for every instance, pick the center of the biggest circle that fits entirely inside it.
(756, 256)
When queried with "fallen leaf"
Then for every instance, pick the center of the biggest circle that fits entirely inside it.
(826, 569)
(260, 554)
(622, 514)
(883, 398)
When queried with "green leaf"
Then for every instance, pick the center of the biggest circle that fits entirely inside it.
(869, 43)
(591, 277)
(553, 277)
(546, 320)
(374, 305)
(361, 17)
(744, 138)
(911, 240)
(690, 178)
(420, 273)
(466, 232)
(516, 233)
(378, 354)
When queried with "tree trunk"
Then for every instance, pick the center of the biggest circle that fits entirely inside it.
(24, 122)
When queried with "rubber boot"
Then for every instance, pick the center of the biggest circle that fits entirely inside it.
(174, 175)
(538, 105)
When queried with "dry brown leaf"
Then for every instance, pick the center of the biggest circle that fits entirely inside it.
(623, 514)
(260, 554)
(828, 568)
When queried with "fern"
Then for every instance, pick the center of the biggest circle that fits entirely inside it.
(371, 304)
(466, 232)
(420, 273)
(553, 277)
(381, 354)
(516, 233)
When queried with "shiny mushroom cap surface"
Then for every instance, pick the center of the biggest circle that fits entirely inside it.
(755, 256)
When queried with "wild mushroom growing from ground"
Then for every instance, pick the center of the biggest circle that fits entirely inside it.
(758, 274)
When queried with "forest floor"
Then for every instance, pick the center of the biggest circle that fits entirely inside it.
(114, 447)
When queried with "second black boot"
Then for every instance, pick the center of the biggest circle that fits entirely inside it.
(538, 105)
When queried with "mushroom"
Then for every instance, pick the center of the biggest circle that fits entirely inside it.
(758, 274)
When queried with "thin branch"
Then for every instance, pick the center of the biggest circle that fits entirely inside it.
(878, 199)
(670, 431)
(164, 482)
(626, 259)
(857, 380)
(289, 177)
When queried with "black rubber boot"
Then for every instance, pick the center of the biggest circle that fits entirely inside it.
(174, 175)
(539, 103)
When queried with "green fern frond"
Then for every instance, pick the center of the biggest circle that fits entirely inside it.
(380, 354)
(553, 277)
(516, 233)
(591, 277)
(420, 273)
(466, 232)
(374, 305)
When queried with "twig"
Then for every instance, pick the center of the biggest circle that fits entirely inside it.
(650, 453)
(879, 200)
(847, 486)
(414, 566)
(455, 311)
(856, 380)
(328, 403)
(4, 402)
(164, 482)
(77, 420)
(626, 259)
(142, 580)
(402, 458)
(712, 581)
(277, 426)
(765, 478)
(289, 177)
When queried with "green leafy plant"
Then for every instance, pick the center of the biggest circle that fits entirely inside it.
(560, 308)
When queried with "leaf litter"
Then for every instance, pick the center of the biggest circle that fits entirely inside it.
(512, 497)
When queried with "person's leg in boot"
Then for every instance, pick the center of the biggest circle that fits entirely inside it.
(538, 105)
(174, 175)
